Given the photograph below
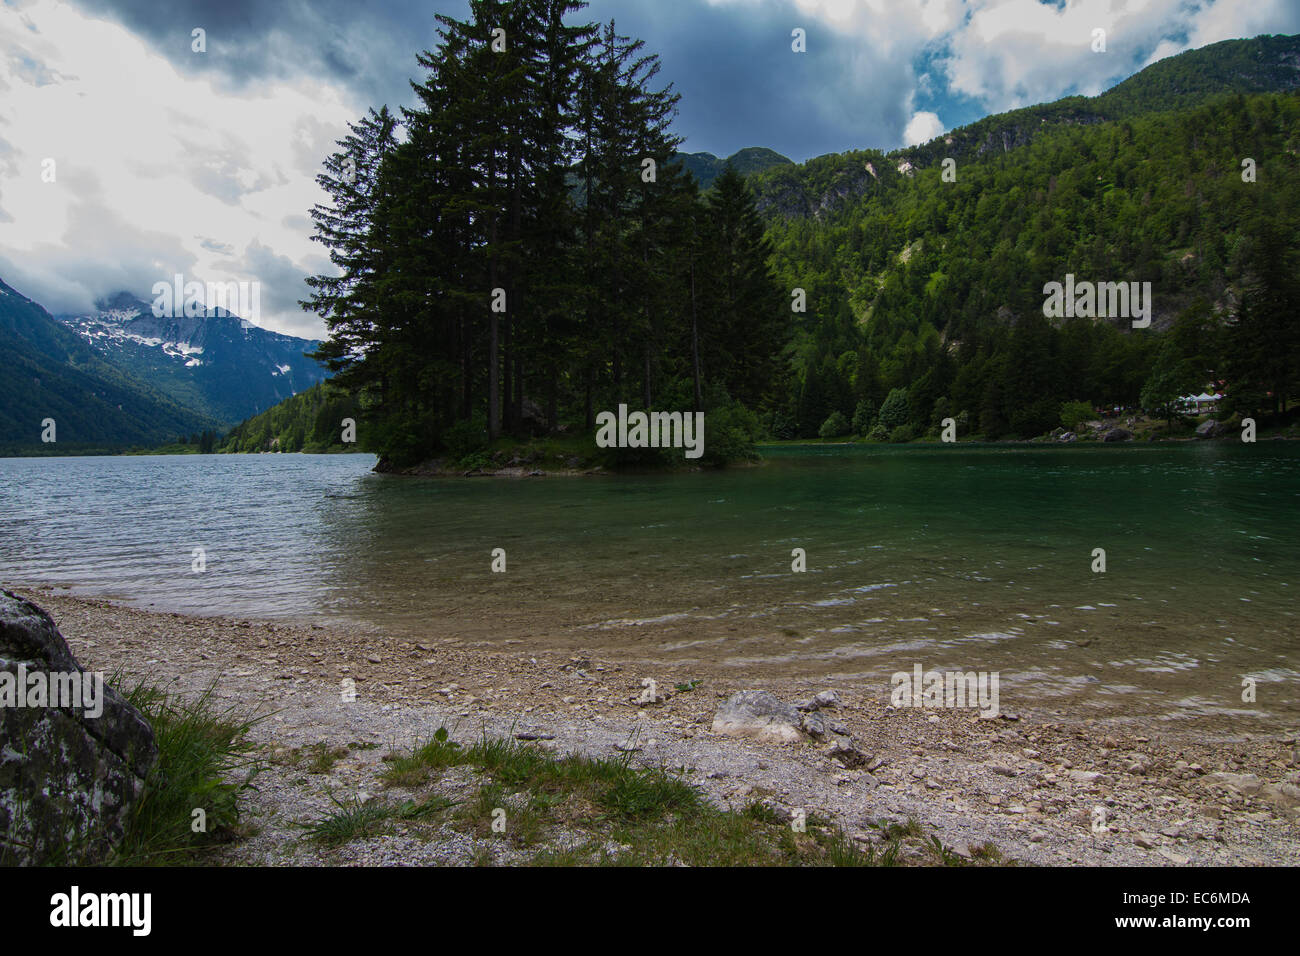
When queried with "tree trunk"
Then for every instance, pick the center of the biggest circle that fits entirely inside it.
(695, 346)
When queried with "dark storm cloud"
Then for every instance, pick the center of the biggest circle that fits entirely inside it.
(367, 47)
(741, 84)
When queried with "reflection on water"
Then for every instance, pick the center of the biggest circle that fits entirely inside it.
(971, 557)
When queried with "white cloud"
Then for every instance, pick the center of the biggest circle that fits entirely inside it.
(1229, 19)
(195, 171)
(921, 128)
(1010, 53)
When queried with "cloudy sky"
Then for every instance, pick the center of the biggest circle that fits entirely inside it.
(166, 160)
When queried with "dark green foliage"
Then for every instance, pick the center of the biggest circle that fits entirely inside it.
(706, 168)
(524, 171)
(935, 288)
(524, 249)
(864, 416)
(311, 421)
(1073, 414)
(835, 426)
(204, 763)
(1262, 348)
(895, 412)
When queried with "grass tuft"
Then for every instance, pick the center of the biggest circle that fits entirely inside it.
(204, 763)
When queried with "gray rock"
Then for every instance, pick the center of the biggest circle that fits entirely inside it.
(813, 725)
(69, 777)
(847, 754)
(1207, 429)
(825, 700)
(1067, 437)
(759, 714)
(1284, 796)
(1246, 784)
(1117, 434)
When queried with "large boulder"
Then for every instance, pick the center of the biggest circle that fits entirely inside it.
(759, 714)
(73, 753)
(1117, 434)
(1207, 429)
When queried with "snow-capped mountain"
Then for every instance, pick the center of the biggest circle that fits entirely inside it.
(217, 363)
(49, 374)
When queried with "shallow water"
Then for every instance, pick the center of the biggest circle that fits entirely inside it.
(968, 557)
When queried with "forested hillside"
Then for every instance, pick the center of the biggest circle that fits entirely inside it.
(936, 287)
(51, 374)
(526, 248)
(706, 168)
(311, 421)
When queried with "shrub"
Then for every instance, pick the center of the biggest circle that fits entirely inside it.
(730, 435)
(466, 437)
(896, 410)
(864, 416)
(1074, 414)
(834, 426)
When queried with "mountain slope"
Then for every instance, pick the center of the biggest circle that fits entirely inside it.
(310, 421)
(216, 363)
(49, 372)
(706, 167)
(933, 287)
(1266, 64)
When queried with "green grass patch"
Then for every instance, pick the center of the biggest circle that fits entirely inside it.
(353, 820)
(204, 763)
(580, 810)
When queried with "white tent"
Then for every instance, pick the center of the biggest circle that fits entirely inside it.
(1198, 400)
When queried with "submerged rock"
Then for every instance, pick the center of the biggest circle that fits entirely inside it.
(72, 765)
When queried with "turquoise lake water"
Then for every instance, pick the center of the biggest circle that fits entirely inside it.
(970, 557)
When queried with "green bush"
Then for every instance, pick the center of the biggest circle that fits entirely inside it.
(896, 410)
(834, 426)
(466, 437)
(864, 416)
(1074, 414)
(729, 436)
(902, 434)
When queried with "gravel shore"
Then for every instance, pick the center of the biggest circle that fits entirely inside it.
(1040, 788)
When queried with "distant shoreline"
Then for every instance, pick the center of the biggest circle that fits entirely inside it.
(438, 470)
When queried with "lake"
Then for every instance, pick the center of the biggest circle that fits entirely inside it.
(957, 557)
